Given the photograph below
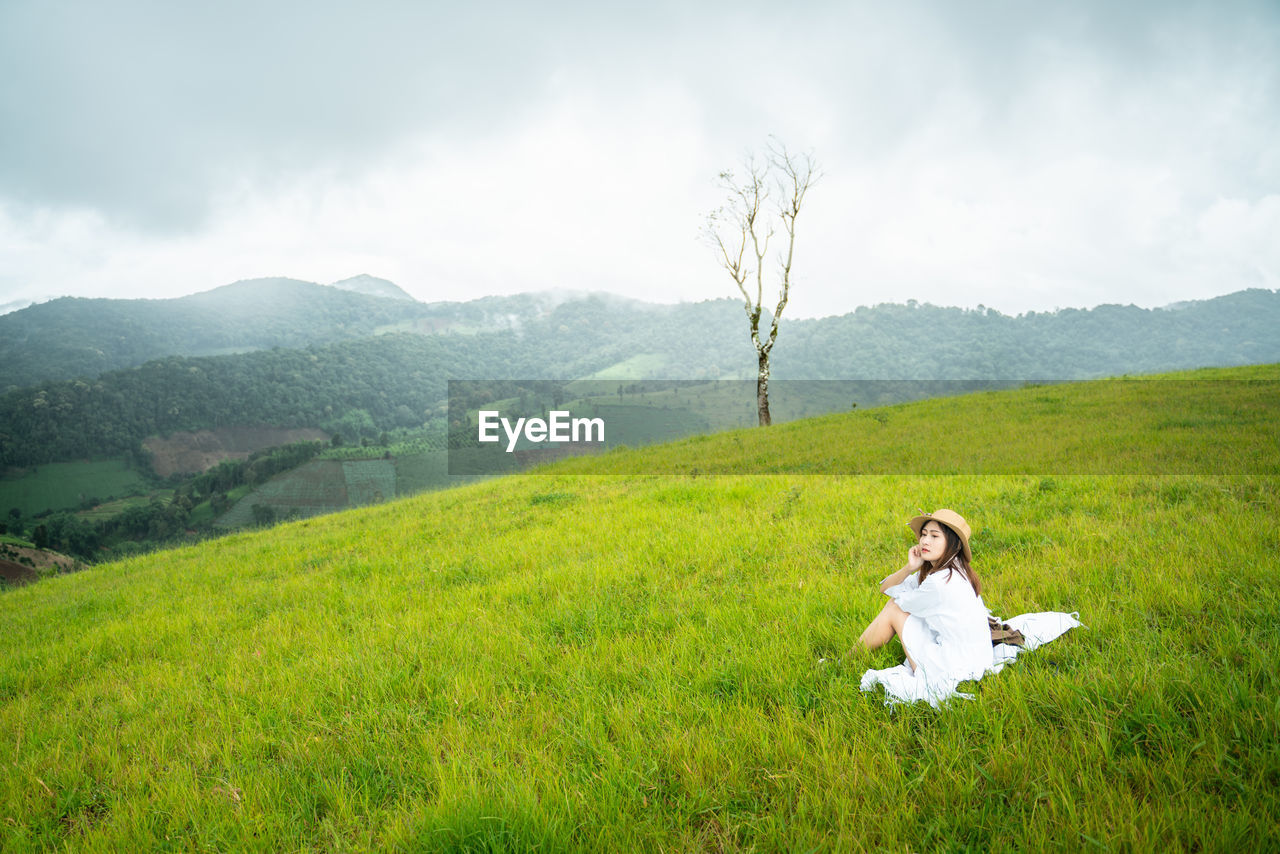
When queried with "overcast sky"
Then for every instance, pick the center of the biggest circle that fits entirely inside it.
(1022, 155)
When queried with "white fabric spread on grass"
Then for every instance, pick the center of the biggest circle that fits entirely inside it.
(947, 635)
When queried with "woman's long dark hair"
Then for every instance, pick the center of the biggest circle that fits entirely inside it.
(952, 557)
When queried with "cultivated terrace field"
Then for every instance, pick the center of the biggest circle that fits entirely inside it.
(570, 661)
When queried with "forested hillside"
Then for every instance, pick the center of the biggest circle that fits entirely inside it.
(74, 338)
(927, 342)
(83, 338)
(357, 388)
(391, 379)
(371, 384)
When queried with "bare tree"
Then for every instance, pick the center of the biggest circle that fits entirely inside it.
(774, 185)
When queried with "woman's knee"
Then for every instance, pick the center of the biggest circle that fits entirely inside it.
(896, 616)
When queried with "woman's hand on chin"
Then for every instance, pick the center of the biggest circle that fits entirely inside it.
(915, 560)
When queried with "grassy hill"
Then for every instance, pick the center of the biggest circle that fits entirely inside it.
(55, 485)
(563, 661)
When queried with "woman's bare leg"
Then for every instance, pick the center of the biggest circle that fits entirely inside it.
(882, 628)
(888, 622)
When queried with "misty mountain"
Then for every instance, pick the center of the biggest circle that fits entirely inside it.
(77, 337)
(83, 338)
(15, 305)
(921, 341)
(372, 286)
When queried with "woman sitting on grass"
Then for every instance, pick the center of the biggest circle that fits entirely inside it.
(936, 609)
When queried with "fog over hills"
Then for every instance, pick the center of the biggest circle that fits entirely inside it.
(372, 286)
(75, 337)
(15, 305)
(79, 337)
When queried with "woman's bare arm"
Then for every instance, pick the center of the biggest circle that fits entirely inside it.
(914, 562)
(897, 578)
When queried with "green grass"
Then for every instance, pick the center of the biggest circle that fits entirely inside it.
(418, 472)
(410, 443)
(633, 368)
(202, 515)
(107, 509)
(729, 404)
(1120, 426)
(331, 484)
(568, 662)
(55, 486)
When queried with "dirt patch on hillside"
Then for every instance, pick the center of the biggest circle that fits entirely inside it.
(19, 565)
(16, 573)
(192, 453)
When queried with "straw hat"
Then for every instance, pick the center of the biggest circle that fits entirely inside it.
(952, 520)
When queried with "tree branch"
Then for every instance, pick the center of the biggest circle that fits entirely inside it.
(790, 177)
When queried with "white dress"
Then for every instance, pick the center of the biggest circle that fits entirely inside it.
(947, 636)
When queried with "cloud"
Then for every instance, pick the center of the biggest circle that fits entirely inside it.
(1242, 231)
(1016, 155)
(582, 195)
(145, 110)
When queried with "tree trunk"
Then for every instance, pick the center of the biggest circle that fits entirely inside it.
(762, 390)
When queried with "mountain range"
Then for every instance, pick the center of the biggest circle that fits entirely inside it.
(83, 338)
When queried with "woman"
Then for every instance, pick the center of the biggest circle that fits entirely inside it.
(936, 609)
